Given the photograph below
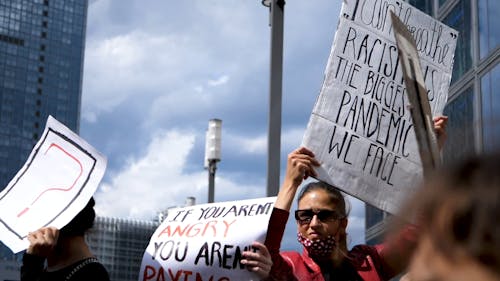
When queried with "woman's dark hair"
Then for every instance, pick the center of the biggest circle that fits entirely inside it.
(459, 210)
(336, 197)
(83, 221)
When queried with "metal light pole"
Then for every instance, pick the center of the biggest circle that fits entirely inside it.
(212, 153)
(276, 8)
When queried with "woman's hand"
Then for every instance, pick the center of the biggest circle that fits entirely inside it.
(300, 166)
(259, 262)
(43, 241)
(440, 123)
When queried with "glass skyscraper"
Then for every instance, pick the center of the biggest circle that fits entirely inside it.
(41, 64)
(474, 99)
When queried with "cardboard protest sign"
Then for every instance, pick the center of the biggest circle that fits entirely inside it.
(361, 129)
(417, 95)
(206, 242)
(56, 182)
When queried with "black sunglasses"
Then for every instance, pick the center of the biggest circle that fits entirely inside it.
(305, 216)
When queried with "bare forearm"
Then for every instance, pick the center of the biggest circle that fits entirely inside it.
(285, 196)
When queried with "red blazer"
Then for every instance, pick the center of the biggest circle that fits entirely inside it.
(363, 262)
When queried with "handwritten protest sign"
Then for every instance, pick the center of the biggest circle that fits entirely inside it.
(56, 182)
(206, 242)
(361, 129)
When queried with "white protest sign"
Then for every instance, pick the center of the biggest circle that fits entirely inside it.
(206, 242)
(361, 128)
(56, 182)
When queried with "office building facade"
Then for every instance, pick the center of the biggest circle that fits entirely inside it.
(9, 270)
(41, 62)
(473, 104)
(120, 244)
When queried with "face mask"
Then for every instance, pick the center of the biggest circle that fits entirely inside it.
(322, 247)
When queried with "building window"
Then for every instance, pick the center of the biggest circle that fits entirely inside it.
(490, 83)
(376, 240)
(423, 5)
(373, 216)
(460, 19)
(489, 35)
(460, 129)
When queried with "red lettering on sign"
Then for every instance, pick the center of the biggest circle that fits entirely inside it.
(203, 229)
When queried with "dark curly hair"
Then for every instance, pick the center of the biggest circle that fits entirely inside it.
(83, 221)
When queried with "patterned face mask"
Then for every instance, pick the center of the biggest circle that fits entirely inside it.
(322, 247)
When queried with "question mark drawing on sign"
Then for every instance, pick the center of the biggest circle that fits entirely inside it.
(51, 189)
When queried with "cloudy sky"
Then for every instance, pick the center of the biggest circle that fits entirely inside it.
(157, 71)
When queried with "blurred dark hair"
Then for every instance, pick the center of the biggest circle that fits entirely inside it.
(336, 197)
(83, 221)
(458, 209)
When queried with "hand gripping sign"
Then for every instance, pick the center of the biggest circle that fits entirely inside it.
(56, 182)
(206, 242)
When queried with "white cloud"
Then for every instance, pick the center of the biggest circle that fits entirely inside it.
(157, 181)
(290, 140)
(255, 145)
(158, 61)
(198, 89)
(153, 182)
(128, 65)
(220, 81)
(89, 116)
